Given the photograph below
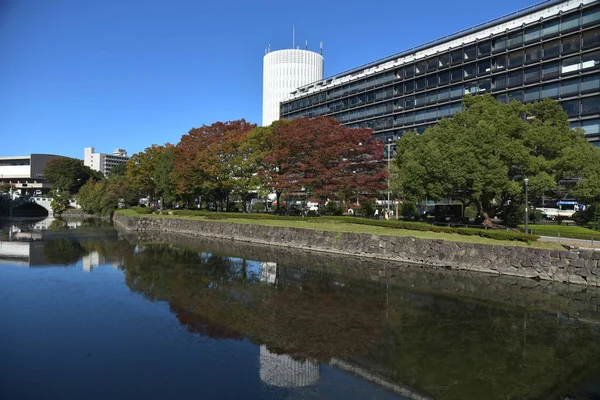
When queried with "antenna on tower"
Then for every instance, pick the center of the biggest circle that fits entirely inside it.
(321, 47)
(293, 36)
(306, 44)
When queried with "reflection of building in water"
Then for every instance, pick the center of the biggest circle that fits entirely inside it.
(284, 371)
(93, 259)
(19, 253)
(268, 272)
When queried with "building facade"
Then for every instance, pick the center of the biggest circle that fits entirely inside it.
(283, 72)
(104, 162)
(549, 50)
(26, 173)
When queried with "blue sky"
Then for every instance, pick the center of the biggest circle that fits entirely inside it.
(130, 73)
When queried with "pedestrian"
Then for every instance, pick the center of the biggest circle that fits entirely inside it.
(377, 213)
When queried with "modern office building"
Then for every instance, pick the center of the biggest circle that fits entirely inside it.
(548, 50)
(103, 162)
(26, 173)
(283, 72)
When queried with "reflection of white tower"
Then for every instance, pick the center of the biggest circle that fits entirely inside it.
(283, 72)
(268, 272)
(90, 261)
(283, 371)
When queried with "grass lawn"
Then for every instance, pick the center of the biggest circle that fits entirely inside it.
(574, 232)
(313, 223)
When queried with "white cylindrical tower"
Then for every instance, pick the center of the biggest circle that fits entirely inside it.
(283, 72)
(284, 371)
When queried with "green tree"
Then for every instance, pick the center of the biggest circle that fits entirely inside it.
(69, 174)
(165, 176)
(482, 154)
(60, 202)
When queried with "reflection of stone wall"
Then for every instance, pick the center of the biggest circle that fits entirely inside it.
(284, 371)
(580, 267)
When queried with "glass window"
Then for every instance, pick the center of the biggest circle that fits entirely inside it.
(532, 94)
(409, 102)
(457, 56)
(421, 67)
(484, 67)
(569, 22)
(409, 71)
(515, 58)
(550, 90)
(420, 100)
(569, 87)
(591, 127)
(516, 95)
(550, 28)
(471, 88)
(570, 65)
(431, 97)
(590, 16)
(533, 54)
(444, 111)
(591, 60)
(485, 85)
(500, 81)
(550, 70)
(571, 107)
(571, 43)
(515, 39)
(470, 52)
(399, 73)
(499, 43)
(500, 62)
(409, 86)
(590, 105)
(469, 71)
(456, 74)
(590, 83)
(432, 81)
(591, 38)
(552, 49)
(502, 98)
(532, 34)
(443, 94)
(432, 64)
(420, 116)
(420, 84)
(444, 77)
(444, 59)
(431, 113)
(456, 91)
(409, 118)
(515, 78)
(484, 48)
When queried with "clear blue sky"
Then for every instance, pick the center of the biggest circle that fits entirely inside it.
(130, 73)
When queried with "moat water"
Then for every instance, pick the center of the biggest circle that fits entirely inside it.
(90, 313)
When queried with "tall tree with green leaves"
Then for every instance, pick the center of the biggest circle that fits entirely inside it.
(483, 153)
(69, 174)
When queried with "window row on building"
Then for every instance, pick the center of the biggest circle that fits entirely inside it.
(557, 37)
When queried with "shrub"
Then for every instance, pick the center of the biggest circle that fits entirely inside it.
(259, 207)
(143, 210)
(408, 209)
(367, 208)
(333, 208)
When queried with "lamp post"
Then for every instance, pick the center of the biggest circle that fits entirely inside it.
(389, 148)
(526, 182)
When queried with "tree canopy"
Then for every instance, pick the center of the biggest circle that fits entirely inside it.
(483, 153)
(69, 174)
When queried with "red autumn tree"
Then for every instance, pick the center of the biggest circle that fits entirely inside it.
(328, 160)
(205, 159)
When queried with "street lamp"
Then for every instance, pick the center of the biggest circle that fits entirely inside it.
(389, 147)
(526, 182)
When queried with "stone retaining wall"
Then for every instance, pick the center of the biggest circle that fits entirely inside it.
(581, 267)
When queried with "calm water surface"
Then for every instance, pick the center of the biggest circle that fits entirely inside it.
(87, 313)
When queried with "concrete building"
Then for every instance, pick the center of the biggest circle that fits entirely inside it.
(283, 72)
(26, 173)
(103, 162)
(548, 50)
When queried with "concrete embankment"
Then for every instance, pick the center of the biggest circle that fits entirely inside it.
(580, 267)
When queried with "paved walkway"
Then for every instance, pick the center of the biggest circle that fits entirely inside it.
(572, 242)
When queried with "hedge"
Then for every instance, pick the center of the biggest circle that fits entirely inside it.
(496, 234)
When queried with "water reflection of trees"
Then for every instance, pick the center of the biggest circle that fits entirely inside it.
(446, 347)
